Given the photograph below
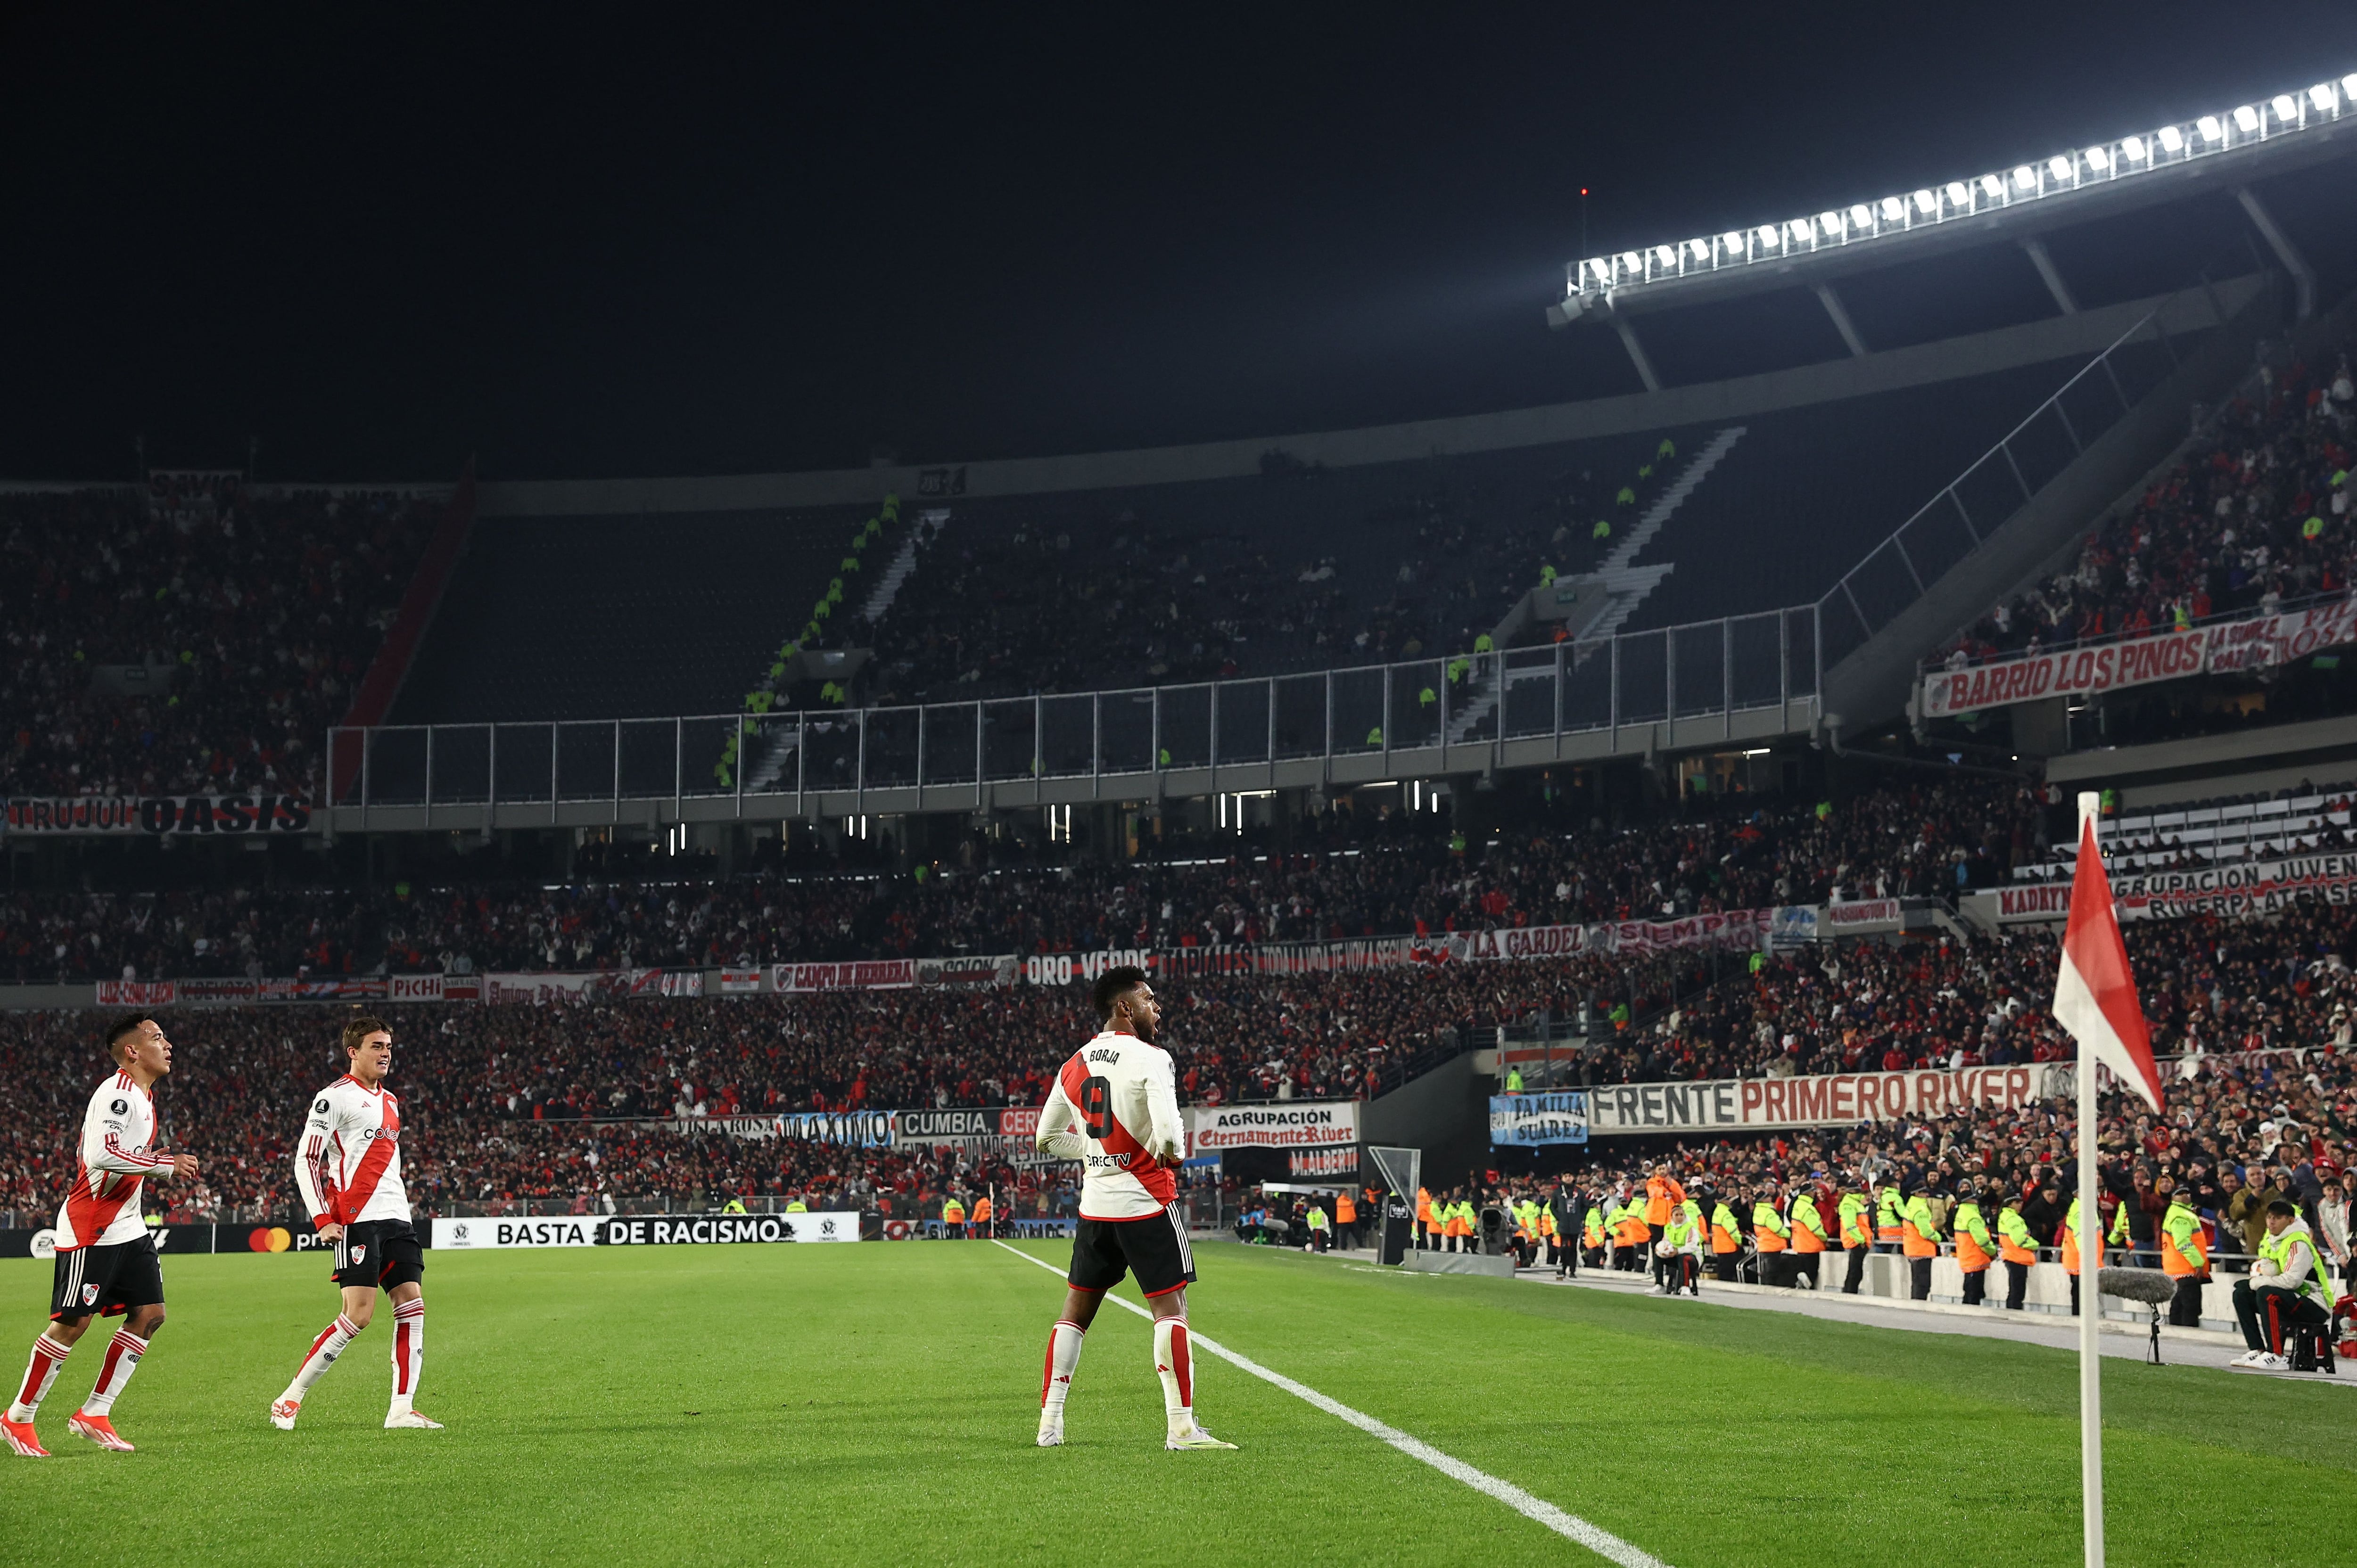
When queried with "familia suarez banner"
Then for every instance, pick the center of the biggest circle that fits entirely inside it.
(2253, 642)
(1828, 1100)
(158, 815)
(2250, 888)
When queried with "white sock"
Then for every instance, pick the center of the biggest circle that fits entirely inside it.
(320, 1356)
(122, 1360)
(408, 1351)
(1174, 1362)
(49, 1355)
(1063, 1359)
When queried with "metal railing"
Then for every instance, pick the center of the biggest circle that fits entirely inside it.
(1709, 670)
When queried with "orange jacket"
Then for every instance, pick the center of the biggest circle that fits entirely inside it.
(1345, 1211)
(1662, 1193)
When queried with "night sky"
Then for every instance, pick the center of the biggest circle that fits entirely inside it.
(678, 240)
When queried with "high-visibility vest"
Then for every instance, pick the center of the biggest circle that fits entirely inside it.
(952, 1212)
(1678, 1231)
(2122, 1232)
(1460, 1219)
(2182, 1252)
(2069, 1239)
(981, 1211)
(1723, 1237)
(1345, 1211)
(1918, 1235)
(798, 1206)
(1634, 1232)
(1768, 1228)
(1887, 1218)
(1972, 1238)
(1856, 1230)
(1661, 1193)
(1808, 1225)
(2014, 1243)
(1318, 1219)
(1546, 1223)
(2276, 1249)
(1594, 1235)
(1423, 1205)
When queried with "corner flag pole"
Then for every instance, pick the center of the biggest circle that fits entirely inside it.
(2091, 1299)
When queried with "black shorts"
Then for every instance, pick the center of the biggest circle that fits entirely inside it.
(106, 1280)
(379, 1252)
(1154, 1248)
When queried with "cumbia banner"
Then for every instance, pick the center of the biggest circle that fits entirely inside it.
(1827, 1099)
(1281, 1124)
(2252, 642)
(158, 814)
(1526, 1121)
(2251, 887)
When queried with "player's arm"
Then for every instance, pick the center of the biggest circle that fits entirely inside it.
(1060, 1131)
(104, 1130)
(311, 1164)
(1166, 1135)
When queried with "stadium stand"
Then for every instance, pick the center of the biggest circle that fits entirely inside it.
(195, 635)
(2255, 519)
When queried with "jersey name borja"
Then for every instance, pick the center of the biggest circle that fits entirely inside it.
(102, 1208)
(348, 1163)
(1118, 1092)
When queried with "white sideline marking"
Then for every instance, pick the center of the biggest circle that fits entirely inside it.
(1603, 1542)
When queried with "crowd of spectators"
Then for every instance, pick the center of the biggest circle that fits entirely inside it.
(192, 635)
(2256, 517)
(1710, 856)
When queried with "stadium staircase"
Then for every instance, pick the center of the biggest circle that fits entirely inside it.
(904, 562)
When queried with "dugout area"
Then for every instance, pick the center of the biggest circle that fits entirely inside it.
(876, 1403)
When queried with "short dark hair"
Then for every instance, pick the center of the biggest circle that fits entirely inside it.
(1113, 985)
(126, 1024)
(359, 1027)
(2284, 1209)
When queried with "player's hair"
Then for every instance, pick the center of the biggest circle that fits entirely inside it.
(1113, 985)
(359, 1027)
(126, 1024)
(2283, 1207)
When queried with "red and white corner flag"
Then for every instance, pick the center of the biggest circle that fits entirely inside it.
(2095, 994)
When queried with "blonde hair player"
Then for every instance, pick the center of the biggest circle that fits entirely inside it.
(348, 1167)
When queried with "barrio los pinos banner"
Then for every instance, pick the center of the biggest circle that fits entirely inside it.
(2253, 642)
(2245, 888)
(1827, 1099)
(1280, 1124)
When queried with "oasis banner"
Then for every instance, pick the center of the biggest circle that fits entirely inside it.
(1828, 1100)
(158, 814)
(2253, 642)
(1527, 1121)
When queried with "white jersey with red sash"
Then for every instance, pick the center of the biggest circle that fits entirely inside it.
(348, 1162)
(1118, 1094)
(102, 1207)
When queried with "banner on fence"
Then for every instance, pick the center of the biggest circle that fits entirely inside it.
(1863, 917)
(1526, 1121)
(1279, 1125)
(1742, 929)
(876, 974)
(157, 814)
(995, 968)
(2252, 642)
(1828, 1100)
(2251, 887)
(604, 984)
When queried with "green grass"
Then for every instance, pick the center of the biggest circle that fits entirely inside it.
(876, 1403)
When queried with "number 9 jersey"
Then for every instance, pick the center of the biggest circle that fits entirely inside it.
(1115, 1109)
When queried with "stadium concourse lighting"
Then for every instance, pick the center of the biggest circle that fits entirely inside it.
(2286, 114)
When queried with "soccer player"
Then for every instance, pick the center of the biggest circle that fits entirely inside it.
(106, 1261)
(348, 1166)
(1115, 1109)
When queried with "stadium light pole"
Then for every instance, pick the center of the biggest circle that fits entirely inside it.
(2090, 1295)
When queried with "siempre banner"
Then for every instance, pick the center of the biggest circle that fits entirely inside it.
(1279, 1125)
(2253, 642)
(158, 814)
(633, 1231)
(2252, 887)
(1525, 1120)
(1829, 1099)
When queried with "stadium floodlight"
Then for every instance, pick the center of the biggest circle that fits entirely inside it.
(2285, 114)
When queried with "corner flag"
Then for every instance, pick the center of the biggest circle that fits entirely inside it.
(2094, 996)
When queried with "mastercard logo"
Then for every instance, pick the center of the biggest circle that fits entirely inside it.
(270, 1239)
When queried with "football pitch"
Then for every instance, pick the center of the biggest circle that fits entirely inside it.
(878, 1402)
